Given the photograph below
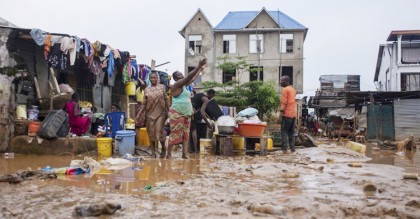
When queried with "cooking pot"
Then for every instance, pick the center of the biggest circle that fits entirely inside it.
(226, 130)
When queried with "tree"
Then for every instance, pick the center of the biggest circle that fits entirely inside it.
(257, 94)
(237, 64)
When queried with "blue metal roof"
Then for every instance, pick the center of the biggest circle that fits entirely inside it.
(235, 20)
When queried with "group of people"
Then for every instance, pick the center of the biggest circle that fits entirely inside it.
(155, 111)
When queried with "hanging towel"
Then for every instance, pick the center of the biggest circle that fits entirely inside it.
(68, 45)
(135, 70)
(110, 68)
(39, 36)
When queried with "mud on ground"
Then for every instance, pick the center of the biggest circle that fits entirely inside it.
(311, 183)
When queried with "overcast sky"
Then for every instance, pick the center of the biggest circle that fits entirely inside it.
(343, 36)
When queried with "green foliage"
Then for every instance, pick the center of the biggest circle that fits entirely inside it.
(236, 64)
(257, 94)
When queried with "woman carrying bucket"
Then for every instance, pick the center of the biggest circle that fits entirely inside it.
(155, 110)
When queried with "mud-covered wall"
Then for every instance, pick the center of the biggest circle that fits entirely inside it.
(6, 112)
(6, 106)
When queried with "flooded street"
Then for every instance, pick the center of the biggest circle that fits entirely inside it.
(311, 183)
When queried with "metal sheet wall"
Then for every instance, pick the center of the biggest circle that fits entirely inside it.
(407, 118)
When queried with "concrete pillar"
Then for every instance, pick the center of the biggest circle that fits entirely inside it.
(399, 50)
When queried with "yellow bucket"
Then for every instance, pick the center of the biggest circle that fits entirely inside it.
(205, 145)
(130, 88)
(104, 147)
(142, 137)
(139, 95)
(238, 143)
(270, 144)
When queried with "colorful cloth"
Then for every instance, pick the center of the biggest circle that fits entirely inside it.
(180, 127)
(78, 125)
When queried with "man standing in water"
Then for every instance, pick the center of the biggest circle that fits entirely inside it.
(181, 109)
(287, 114)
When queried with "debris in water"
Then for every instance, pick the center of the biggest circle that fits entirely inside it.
(414, 176)
(369, 188)
(413, 203)
(330, 160)
(96, 210)
(22, 175)
(291, 175)
(355, 165)
(266, 209)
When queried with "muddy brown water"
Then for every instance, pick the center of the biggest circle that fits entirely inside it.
(300, 185)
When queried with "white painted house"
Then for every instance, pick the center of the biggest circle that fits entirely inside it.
(398, 64)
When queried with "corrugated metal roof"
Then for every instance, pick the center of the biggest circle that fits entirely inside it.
(236, 20)
(6, 23)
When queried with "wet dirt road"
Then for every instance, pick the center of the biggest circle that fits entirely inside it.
(312, 183)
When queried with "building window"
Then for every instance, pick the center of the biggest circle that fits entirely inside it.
(254, 71)
(229, 43)
(228, 75)
(286, 43)
(256, 43)
(195, 43)
(286, 70)
(410, 81)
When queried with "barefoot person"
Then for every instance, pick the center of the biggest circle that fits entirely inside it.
(155, 110)
(181, 109)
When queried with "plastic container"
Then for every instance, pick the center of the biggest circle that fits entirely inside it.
(9, 155)
(33, 114)
(251, 130)
(21, 112)
(139, 95)
(238, 143)
(104, 147)
(130, 88)
(33, 128)
(361, 148)
(205, 146)
(270, 144)
(142, 137)
(124, 140)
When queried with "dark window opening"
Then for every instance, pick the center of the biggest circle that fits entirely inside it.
(410, 81)
(225, 46)
(253, 73)
(228, 76)
(287, 70)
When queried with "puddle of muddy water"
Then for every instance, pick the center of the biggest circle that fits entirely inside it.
(128, 180)
(409, 160)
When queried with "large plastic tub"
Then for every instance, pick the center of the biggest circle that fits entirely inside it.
(124, 140)
(251, 130)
